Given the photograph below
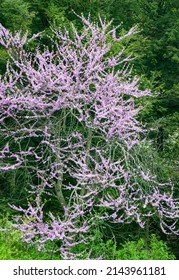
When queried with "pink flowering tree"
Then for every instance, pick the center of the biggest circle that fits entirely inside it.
(67, 115)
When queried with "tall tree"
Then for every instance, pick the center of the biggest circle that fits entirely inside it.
(78, 105)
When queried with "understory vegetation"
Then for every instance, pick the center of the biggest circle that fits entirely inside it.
(13, 248)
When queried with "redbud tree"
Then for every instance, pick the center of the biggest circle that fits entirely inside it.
(68, 117)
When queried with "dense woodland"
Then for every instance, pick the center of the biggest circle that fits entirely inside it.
(155, 47)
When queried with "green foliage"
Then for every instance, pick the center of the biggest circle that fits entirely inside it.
(16, 14)
(140, 250)
(13, 248)
(3, 60)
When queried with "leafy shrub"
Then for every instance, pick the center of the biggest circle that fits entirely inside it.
(139, 250)
(153, 249)
(13, 248)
